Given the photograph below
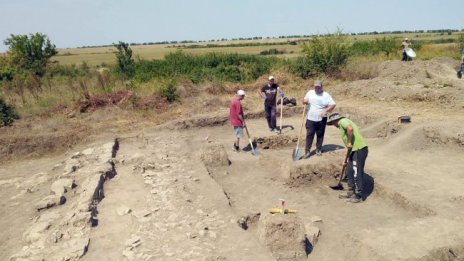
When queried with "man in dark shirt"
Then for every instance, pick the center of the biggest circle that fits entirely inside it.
(269, 94)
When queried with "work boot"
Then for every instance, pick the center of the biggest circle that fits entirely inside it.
(306, 155)
(346, 195)
(355, 199)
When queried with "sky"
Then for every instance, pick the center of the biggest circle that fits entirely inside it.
(75, 23)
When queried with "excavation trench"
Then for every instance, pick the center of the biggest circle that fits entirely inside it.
(284, 235)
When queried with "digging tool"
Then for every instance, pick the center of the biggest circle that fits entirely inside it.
(296, 151)
(281, 110)
(253, 151)
(282, 210)
(339, 185)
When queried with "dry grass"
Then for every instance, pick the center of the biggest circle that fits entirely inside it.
(430, 51)
(99, 55)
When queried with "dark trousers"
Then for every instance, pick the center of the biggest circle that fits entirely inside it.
(318, 128)
(405, 57)
(355, 171)
(270, 112)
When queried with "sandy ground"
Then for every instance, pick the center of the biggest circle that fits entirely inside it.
(181, 193)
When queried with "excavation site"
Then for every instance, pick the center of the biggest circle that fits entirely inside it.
(179, 191)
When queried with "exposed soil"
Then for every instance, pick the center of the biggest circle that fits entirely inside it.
(177, 191)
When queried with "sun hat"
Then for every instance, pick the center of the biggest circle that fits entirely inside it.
(333, 116)
(317, 83)
(271, 77)
(241, 92)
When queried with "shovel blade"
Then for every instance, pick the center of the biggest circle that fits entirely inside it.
(336, 187)
(296, 154)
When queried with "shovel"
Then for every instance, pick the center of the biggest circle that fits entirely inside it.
(281, 110)
(339, 185)
(253, 151)
(296, 151)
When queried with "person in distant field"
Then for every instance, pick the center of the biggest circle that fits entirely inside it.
(357, 158)
(320, 103)
(405, 44)
(461, 69)
(236, 118)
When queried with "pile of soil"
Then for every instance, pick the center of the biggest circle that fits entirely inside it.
(418, 81)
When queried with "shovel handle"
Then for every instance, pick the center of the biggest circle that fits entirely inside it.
(344, 167)
(302, 124)
(249, 139)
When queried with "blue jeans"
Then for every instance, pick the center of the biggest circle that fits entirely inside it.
(270, 112)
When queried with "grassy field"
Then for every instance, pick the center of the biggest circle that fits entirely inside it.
(98, 55)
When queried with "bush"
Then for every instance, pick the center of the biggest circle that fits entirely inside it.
(7, 114)
(461, 41)
(272, 51)
(322, 55)
(380, 45)
(168, 90)
(208, 67)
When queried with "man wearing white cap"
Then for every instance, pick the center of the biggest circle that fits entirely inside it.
(269, 95)
(237, 118)
(320, 103)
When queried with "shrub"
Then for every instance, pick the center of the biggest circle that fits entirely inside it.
(230, 67)
(461, 41)
(272, 51)
(7, 114)
(322, 55)
(124, 60)
(168, 90)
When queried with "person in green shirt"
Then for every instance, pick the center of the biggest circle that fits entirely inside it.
(357, 158)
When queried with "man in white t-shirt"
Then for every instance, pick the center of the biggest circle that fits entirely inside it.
(320, 103)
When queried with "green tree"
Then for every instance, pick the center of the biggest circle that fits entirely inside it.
(31, 53)
(323, 55)
(125, 63)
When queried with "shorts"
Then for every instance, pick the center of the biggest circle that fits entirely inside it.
(238, 131)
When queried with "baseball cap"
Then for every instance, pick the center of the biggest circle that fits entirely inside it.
(241, 92)
(318, 83)
(271, 77)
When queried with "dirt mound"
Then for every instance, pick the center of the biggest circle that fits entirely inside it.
(433, 136)
(39, 141)
(314, 171)
(382, 129)
(284, 235)
(418, 81)
(220, 118)
(214, 156)
(274, 142)
(444, 253)
(428, 136)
